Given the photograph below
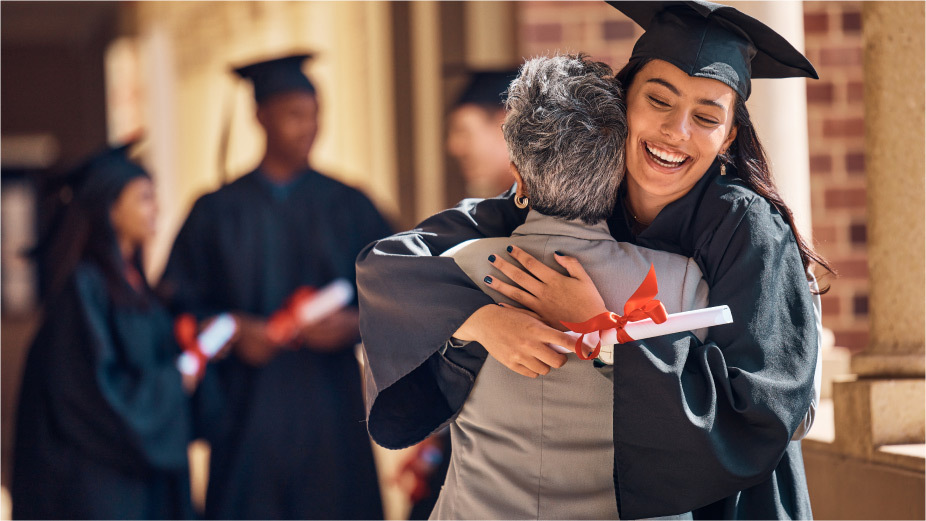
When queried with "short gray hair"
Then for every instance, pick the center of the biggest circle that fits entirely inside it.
(565, 128)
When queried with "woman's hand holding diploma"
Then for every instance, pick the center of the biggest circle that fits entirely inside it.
(516, 338)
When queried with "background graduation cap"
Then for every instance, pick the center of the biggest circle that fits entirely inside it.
(487, 88)
(277, 76)
(101, 178)
(714, 41)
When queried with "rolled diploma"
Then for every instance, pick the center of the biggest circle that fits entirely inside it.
(334, 296)
(675, 323)
(210, 340)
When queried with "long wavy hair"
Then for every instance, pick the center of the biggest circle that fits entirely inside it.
(81, 230)
(750, 164)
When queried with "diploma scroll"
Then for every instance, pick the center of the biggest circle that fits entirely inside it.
(207, 344)
(639, 330)
(307, 306)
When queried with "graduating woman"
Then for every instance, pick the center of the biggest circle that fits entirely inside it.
(103, 420)
(701, 426)
(540, 448)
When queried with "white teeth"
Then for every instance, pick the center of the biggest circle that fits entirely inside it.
(668, 157)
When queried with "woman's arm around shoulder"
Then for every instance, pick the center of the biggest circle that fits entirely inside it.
(411, 302)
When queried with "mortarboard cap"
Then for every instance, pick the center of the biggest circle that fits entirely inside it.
(101, 178)
(715, 41)
(487, 88)
(277, 76)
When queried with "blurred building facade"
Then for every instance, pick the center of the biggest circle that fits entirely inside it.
(78, 74)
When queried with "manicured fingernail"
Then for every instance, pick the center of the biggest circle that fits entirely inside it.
(491, 258)
(510, 249)
(488, 280)
(558, 253)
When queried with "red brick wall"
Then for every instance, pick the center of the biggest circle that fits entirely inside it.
(836, 112)
(835, 122)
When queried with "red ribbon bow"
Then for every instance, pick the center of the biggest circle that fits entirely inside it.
(640, 306)
(185, 332)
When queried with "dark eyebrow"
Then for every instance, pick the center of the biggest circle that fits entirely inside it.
(664, 83)
(702, 101)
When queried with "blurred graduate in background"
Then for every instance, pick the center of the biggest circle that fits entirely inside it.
(103, 418)
(285, 421)
(474, 133)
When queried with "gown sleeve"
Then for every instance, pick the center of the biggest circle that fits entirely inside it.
(411, 302)
(698, 422)
(146, 409)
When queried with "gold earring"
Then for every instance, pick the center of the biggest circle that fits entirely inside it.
(723, 169)
(521, 201)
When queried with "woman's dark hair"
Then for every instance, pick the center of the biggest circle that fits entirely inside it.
(750, 164)
(81, 230)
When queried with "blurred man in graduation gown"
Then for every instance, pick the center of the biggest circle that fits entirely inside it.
(285, 423)
(103, 419)
(474, 133)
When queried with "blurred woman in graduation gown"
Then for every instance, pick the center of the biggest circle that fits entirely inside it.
(698, 426)
(103, 420)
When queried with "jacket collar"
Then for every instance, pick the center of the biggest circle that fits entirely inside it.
(540, 224)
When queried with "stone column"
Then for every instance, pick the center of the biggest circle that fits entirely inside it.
(779, 112)
(884, 404)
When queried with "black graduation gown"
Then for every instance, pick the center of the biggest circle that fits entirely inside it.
(697, 427)
(288, 439)
(103, 422)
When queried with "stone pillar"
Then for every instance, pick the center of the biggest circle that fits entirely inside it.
(884, 404)
(784, 130)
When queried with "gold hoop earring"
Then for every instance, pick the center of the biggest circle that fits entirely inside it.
(521, 201)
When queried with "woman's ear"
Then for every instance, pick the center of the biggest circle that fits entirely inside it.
(520, 192)
(728, 141)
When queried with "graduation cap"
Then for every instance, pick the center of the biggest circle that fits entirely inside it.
(487, 88)
(277, 76)
(715, 41)
(100, 179)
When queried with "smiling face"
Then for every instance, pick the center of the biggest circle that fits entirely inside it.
(678, 126)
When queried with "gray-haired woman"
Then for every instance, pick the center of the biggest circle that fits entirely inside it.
(541, 448)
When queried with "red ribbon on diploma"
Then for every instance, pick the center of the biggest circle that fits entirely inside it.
(283, 325)
(640, 306)
(185, 332)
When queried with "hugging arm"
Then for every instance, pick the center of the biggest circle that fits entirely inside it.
(411, 302)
